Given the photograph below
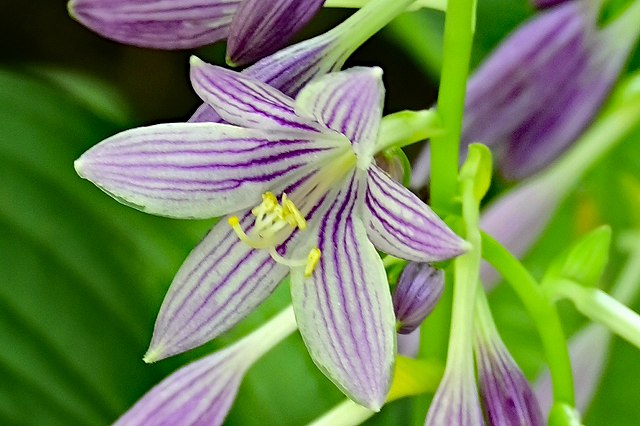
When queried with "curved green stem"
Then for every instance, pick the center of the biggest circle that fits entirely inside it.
(458, 39)
(542, 311)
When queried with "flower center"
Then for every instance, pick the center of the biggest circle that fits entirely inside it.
(274, 222)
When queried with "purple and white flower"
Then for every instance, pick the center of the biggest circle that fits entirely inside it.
(302, 194)
(253, 28)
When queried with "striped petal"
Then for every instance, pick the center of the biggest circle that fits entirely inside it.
(161, 24)
(220, 283)
(344, 309)
(400, 224)
(202, 392)
(198, 170)
(260, 27)
(197, 394)
(287, 70)
(349, 102)
(244, 101)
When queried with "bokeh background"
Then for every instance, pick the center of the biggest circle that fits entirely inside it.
(82, 277)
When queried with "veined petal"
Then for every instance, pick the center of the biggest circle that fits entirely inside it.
(244, 101)
(400, 224)
(260, 27)
(287, 70)
(162, 24)
(344, 309)
(199, 170)
(202, 392)
(349, 102)
(221, 282)
(197, 394)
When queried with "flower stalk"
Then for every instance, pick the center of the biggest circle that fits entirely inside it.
(459, 28)
(542, 311)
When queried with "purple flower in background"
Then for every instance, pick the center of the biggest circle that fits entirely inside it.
(202, 392)
(417, 293)
(506, 395)
(254, 28)
(542, 4)
(541, 88)
(302, 194)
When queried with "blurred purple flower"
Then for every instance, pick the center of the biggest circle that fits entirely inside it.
(541, 88)
(254, 28)
(321, 205)
(417, 293)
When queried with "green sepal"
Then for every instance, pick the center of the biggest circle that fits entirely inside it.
(478, 168)
(584, 262)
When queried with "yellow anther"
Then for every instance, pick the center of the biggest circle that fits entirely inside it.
(234, 221)
(269, 201)
(312, 260)
(291, 214)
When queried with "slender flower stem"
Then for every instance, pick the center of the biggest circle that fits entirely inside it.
(418, 4)
(458, 39)
(628, 284)
(407, 127)
(360, 26)
(347, 413)
(600, 307)
(542, 311)
(274, 331)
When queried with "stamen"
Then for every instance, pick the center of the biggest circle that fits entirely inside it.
(235, 224)
(312, 260)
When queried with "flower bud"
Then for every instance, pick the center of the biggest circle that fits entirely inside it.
(419, 289)
(506, 396)
(260, 27)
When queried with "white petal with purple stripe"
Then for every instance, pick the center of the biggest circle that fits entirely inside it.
(400, 224)
(349, 102)
(221, 282)
(344, 310)
(246, 102)
(197, 394)
(201, 170)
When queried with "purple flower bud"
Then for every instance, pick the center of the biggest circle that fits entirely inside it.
(541, 88)
(456, 400)
(254, 28)
(419, 289)
(259, 27)
(506, 396)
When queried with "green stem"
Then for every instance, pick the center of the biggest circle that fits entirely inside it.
(542, 311)
(600, 307)
(458, 39)
(407, 127)
(363, 24)
(418, 4)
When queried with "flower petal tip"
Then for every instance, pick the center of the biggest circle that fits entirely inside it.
(79, 166)
(196, 62)
(153, 355)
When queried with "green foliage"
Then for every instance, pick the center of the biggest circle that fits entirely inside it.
(584, 262)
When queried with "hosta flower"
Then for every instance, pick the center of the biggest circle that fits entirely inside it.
(541, 88)
(253, 28)
(417, 293)
(297, 181)
(202, 392)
